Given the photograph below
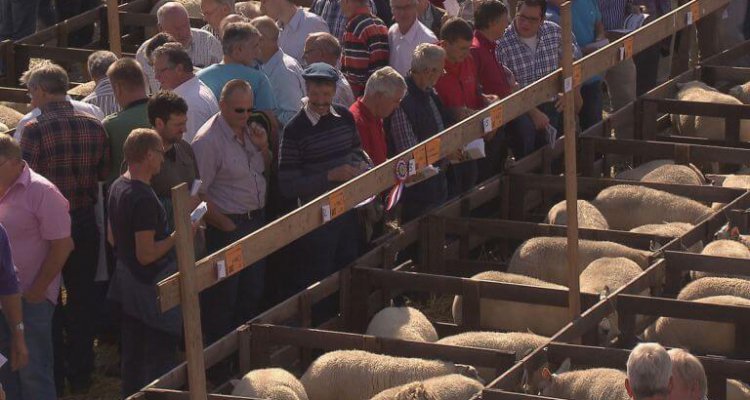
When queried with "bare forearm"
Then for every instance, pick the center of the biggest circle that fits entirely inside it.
(214, 217)
(158, 250)
(12, 308)
(56, 256)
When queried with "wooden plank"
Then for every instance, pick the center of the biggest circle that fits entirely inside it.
(697, 153)
(113, 27)
(706, 109)
(642, 305)
(684, 261)
(71, 24)
(149, 20)
(171, 394)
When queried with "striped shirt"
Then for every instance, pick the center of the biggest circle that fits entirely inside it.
(613, 13)
(330, 11)
(656, 8)
(103, 97)
(365, 49)
(204, 50)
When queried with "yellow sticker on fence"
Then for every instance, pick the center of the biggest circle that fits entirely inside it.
(337, 203)
(629, 47)
(497, 116)
(420, 156)
(577, 75)
(235, 260)
(433, 151)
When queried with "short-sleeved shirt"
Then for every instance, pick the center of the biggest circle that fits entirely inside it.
(459, 86)
(179, 166)
(8, 278)
(294, 34)
(34, 213)
(118, 127)
(103, 97)
(371, 134)
(134, 207)
(285, 75)
(493, 76)
(201, 103)
(402, 45)
(217, 75)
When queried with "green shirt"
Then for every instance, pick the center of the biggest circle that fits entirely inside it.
(118, 127)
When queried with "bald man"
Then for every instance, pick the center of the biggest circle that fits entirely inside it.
(202, 47)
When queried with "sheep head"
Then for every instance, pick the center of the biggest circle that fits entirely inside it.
(741, 92)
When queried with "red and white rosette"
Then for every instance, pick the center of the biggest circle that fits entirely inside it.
(402, 172)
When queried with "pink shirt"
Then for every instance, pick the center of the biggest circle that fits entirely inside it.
(34, 212)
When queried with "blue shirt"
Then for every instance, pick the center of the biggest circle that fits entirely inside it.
(285, 74)
(217, 75)
(585, 15)
(8, 278)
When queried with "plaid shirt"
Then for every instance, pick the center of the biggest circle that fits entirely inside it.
(70, 149)
(330, 11)
(365, 48)
(529, 67)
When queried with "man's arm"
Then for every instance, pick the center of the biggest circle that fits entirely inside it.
(147, 250)
(58, 253)
(19, 355)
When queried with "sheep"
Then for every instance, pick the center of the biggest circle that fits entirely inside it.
(733, 181)
(723, 248)
(705, 127)
(637, 173)
(676, 174)
(3, 128)
(520, 343)
(355, 374)
(544, 257)
(9, 116)
(404, 323)
(741, 92)
(83, 89)
(448, 387)
(608, 274)
(271, 383)
(588, 384)
(715, 286)
(737, 390)
(588, 216)
(704, 337)
(626, 207)
(670, 229)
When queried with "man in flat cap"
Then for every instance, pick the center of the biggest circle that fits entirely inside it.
(320, 149)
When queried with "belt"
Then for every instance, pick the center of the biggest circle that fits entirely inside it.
(250, 215)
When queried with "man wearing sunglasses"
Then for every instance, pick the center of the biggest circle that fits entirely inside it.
(232, 157)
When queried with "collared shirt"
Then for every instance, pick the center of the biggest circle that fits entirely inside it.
(493, 76)
(210, 29)
(79, 106)
(103, 97)
(70, 149)
(528, 66)
(217, 75)
(34, 212)
(8, 278)
(330, 12)
(344, 95)
(365, 48)
(293, 35)
(371, 132)
(204, 50)
(179, 166)
(459, 86)
(118, 127)
(285, 75)
(613, 13)
(402, 46)
(232, 174)
(313, 116)
(201, 103)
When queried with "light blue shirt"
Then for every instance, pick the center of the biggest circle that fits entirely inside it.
(217, 75)
(285, 75)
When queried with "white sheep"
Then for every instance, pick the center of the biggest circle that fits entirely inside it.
(676, 174)
(356, 375)
(270, 383)
(448, 387)
(588, 216)
(715, 286)
(9, 116)
(520, 343)
(627, 206)
(588, 384)
(705, 337)
(737, 390)
(736, 182)
(741, 92)
(637, 173)
(671, 230)
(404, 323)
(608, 274)
(705, 127)
(545, 257)
(83, 89)
(723, 248)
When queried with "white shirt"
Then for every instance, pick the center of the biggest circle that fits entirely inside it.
(532, 42)
(403, 45)
(344, 95)
(294, 34)
(103, 97)
(314, 116)
(79, 106)
(204, 50)
(201, 104)
(285, 75)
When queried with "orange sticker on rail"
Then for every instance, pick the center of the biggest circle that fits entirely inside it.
(695, 8)
(577, 74)
(629, 47)
(497, 116)
(235, 260)
(420, 157)
(337, 202)
(433, 150)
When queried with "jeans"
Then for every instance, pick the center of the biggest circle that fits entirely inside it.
(74, 349)
(591, 112)
(36, 380)
(236, 299)
(17, 18)
(147, 354)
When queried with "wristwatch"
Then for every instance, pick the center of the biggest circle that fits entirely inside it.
(18, 327)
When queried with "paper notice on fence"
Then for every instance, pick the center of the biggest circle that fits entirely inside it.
(472, 151)
(422, 175)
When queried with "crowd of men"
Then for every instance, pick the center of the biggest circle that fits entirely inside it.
(268, 114)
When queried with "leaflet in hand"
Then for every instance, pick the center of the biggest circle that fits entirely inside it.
(199, 212)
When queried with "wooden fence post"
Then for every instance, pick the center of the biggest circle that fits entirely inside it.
(113, 27)
(191, 312)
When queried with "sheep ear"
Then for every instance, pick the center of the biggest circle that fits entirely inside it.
(564, 367)
(546, 374)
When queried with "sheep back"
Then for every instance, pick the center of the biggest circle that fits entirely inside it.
(589, 384)
(270, 383)
(737, 390)
(9, 117)
(675, 174)
(637, 173)
(715, 286)
(588, 215)
(404, 323)
(448, 387)
(610, 272)
(705, 127)
(723, 248)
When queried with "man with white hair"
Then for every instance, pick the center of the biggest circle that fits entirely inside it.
(214, 11)
(202, 47)
(649, 373)
(688, 376)
(383, 93)
(102, 96)
(295, 23)
(406, 34)
(283, 71)
(324, 47)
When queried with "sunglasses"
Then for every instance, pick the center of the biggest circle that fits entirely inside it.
(243, 110)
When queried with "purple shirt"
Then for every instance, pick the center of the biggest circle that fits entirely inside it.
(8, 278)
(34, 212)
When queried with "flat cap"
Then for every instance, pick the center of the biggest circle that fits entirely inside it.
(321, 71)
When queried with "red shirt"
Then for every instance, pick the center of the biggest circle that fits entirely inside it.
(459, 86)
(491, 73)
(371, 132)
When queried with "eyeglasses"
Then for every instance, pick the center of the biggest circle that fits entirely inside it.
(243, 110)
